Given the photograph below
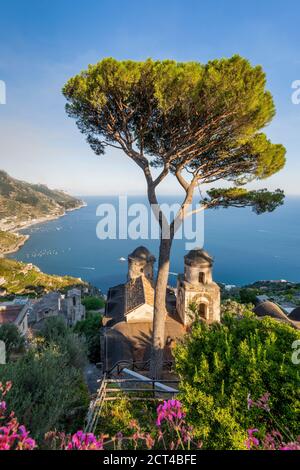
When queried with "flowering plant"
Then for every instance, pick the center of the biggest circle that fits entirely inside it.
(13, 436)
(171, 432)
(276, 439)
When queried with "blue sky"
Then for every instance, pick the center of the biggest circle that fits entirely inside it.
(43, 43)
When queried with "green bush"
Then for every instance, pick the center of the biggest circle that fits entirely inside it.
(93, 303)
(248, 295)
(221, 364)
(118, 415)
(234, 308)
(14, 341)
(74, 347)
(90, 330)
(47, 392)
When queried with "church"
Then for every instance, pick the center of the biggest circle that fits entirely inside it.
(127, 330)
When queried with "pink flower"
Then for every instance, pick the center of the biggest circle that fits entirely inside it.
(170, 411)
(252, 441)
(262, 402)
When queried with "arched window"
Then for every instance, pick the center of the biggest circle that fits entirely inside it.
(202, 278)
(202, 310)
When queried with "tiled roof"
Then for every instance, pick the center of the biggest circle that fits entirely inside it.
(138, 292)
(134, 294)
(124, 298)
(141, 253)
(198, 257)
(270, 309)
(295, 314)
(9, 314)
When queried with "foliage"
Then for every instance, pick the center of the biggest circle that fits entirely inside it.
(170, 432)
(260, 200)
(10, 242)
(13, 436)
(23, 278)
(56, 332)
(220, 364)
(276, 436)
(90, 330)
(14, 341)
(48, 393)
(121, 413)
(93, 303)
(232, 307)
(248, 295)
(212, 130)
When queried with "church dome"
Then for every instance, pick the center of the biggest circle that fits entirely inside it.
(295, 314)
(198, 257)
(270, 309)
(141, 253)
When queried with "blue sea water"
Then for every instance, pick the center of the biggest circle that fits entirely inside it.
(246, 247)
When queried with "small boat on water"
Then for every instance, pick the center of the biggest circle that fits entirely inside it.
(122, 259)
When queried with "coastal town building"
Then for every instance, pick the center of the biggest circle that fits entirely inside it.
(127, 331)
(16, 312)
(55, 304)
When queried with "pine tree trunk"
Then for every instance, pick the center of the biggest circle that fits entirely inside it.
(158, 340)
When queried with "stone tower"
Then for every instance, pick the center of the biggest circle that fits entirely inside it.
(196, 287)
(140, 263)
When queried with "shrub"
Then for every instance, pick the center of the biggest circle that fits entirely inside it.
(234, 308)
(13, 436)
(220, 364)
(90, 330)
(14, 341)
(55, 331)
(170, 431)
(48, 393)
(248, 295)
(93, 303)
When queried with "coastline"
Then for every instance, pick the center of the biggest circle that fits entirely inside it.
(30, 223)
(46, 218)
(17, 247)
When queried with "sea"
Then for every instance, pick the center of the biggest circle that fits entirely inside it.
(246, 247)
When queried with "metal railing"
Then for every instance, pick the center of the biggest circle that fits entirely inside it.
(148, 389)
(96, 406)
(136, 366)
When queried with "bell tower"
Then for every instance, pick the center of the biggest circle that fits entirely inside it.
(196, 286)
(140, 263)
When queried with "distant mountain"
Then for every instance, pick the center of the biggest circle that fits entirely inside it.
(23, 203)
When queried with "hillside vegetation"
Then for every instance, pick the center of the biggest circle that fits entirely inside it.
(20, 278)
(10, 242)
(22, 203)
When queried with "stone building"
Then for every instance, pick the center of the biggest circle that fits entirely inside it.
(127, 331)
(54, 304)
(17, 313)
(134, 300)
(196, 287)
